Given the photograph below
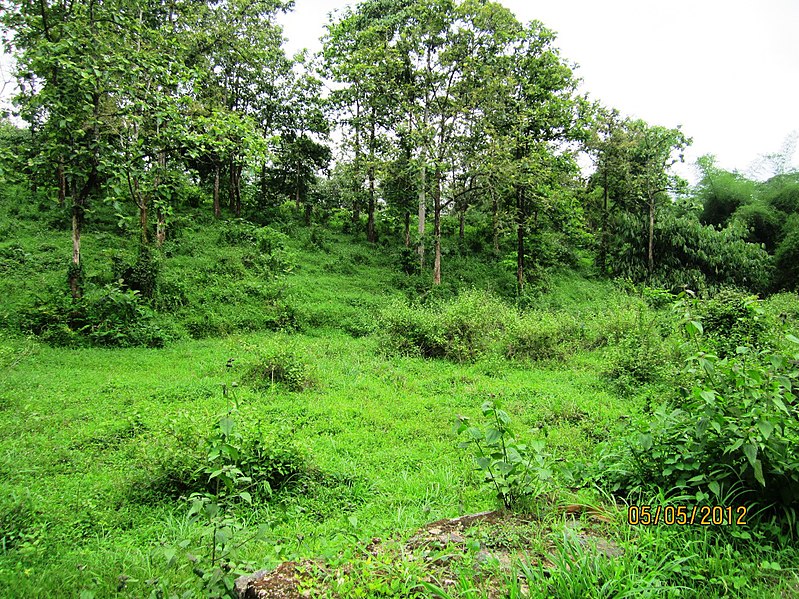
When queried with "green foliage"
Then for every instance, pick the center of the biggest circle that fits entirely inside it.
(731, 319)
(20, 528)
(142, 274)
(283, 366)
(690, 254)
(722, 193)
(461, 330)
(730, 437)
(763, 223)
(639, 358)
(787, 257)
(108, 316)
(519, 473)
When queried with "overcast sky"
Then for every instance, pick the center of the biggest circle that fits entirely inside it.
(727, 71)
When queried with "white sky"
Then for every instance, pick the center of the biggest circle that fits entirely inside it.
(727, 71)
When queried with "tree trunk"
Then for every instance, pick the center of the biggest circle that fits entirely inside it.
(263, 183)
(75, 284)
(371, 234)
(603, 237)
(297, 201)
(461, 223)
(651, 244)
(237, 188)
(231, 194)
(407, 229)
(160, 227)
(422, 212)
(495, 221)
(217, 207)
(308, 212)
(62, 183)
(437, 229)
(160, 210)
(520, 223)
(142, 203)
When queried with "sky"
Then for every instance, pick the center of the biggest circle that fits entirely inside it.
(726, 71)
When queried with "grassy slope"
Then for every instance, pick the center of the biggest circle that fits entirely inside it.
(86, 434)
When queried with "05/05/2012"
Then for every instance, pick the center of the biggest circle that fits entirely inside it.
(705, 515)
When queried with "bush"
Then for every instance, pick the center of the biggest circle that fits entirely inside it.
(732, 437)
(731, 319)
(462, 329)
(179, 465)
(545, 336)
(108, 316)
(284, 367)
(141, 275)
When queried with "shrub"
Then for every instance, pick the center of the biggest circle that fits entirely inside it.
(518, 472)
(142, 274)
(462, 329)
(732, 436)
(108, 316)
(283, 366)
(544, 336)
(730, 319)
(181, 464)
(636, 360)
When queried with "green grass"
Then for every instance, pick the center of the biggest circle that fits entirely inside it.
(98, 445)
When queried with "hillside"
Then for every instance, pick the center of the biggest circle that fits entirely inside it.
(299, 401)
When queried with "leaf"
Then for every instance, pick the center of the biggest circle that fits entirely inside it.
(493, 436)
(483, 462)
(758, 465)
(694, 327)
(709, 395)
(750, 451)
(226, 425)
(645, 440)
(475, 433)
(714, 487)
(765, 427)
(246, 497)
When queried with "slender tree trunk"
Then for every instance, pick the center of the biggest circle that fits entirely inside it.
(237, 188)
(461, 223)
(263, 183)
(495, 221)
(371, 234)
(217, 207)
(142, 203)
(62, 183)
(308, 212)
(603, 237)
(231, 194)
(422, 211)
(520, 224)
(160, 210)
(297, 199)
(75, 285)
(407, 229)
(437, 229)
(651, 243)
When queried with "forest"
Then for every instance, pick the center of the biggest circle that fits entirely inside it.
(413, 316)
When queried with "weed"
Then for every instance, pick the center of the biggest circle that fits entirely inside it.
(519, 473)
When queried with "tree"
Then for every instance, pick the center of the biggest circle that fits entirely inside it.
(533, 117)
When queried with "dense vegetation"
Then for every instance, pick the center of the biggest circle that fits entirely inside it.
(222, 349)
